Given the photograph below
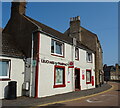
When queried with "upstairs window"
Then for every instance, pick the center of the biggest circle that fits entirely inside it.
(89, 57)
(4, 69)
(56, 47)
(76, 54)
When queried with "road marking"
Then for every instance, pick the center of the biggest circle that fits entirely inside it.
(109, 95)
(94, 101)
(83, 97)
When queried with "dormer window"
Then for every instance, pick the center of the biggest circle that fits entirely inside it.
(89, 57)
(76, 54)
(57, 47)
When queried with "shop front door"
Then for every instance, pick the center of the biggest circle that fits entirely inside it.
(77, 79)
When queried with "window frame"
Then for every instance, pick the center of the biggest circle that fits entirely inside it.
(54, 50)
(89, 82)
(59, 85)
(87, 53)
(4, 78)
(77, 53)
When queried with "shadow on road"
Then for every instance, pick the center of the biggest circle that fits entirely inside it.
(57, 105)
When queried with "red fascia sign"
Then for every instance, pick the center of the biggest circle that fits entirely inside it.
(71, 64)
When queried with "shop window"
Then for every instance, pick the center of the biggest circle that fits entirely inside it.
(88, 76)
(59, 76)
(4, 69)
(57, 47)
(89, 57)
(76, 54)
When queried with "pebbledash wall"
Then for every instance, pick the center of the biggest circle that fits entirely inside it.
(48, 62)
(16, 73)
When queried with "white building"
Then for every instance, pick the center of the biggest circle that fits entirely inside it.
(60, 67)
(11, 66)
(55, 63)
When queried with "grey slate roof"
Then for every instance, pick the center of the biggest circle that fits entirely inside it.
(57, 34)
(8, 47)
(51, 31)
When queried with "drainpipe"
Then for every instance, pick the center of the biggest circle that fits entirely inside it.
(73, 85)
(73, 70)
(37, 67)
(31, 74)
(34, 69)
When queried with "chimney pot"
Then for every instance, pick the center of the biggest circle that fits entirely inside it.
(75, 18)
(71, 19)
(78, 17)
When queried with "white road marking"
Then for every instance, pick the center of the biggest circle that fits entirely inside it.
(93, 100)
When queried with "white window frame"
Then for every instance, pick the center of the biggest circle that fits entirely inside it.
(62, 47)
(87, 57)
(8, 70)
(56, 85)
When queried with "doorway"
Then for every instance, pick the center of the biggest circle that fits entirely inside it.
(77, 79)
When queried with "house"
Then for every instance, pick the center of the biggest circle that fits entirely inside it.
(55, 62)
(112, 73)
(11, 65)
(91, 41)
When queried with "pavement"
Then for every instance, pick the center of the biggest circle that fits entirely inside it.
(28, 102)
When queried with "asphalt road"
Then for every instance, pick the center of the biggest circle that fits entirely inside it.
(101, 96)
(106, 98)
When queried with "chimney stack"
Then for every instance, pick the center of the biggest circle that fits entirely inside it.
(18, 7)
(75, 28)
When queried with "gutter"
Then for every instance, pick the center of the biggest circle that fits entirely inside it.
(5, 55)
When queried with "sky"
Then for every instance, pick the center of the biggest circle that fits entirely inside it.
(100, 18)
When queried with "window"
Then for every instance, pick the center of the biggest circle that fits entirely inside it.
(59, 76)
(89, 57)
(4, 69)
(76, 54)
(56, 47)
(88, 76)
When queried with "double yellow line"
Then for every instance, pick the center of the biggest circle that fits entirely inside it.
(75, 98)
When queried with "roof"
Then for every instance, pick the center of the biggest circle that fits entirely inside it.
(8, 47)
(55, 33)
(51, 31)
(86, 34)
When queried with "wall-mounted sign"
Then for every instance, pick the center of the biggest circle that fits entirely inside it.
(83, 76)
(53, 62)
(34, 63)
(92, 80)
(71, 64)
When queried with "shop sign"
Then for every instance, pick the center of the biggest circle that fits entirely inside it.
(34, 63)
(71, 64)
(53, 62)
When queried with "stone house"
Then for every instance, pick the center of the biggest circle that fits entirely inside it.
(91, 41)
(112, 73)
